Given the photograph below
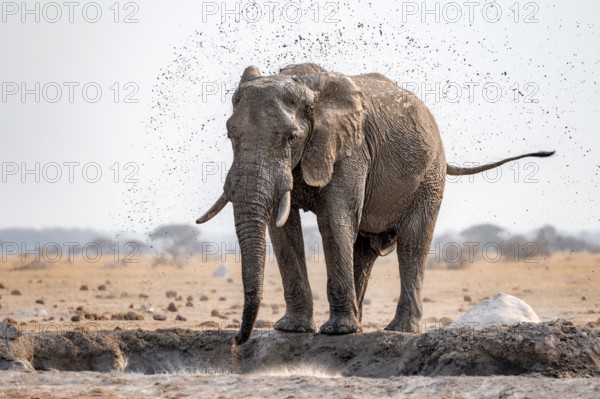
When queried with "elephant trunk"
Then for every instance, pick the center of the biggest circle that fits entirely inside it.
(257, 192)
(251, 215)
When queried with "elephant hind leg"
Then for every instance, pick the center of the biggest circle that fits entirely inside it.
(415, 235)
(364, 258)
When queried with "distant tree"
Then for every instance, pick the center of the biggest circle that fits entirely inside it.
(175, 242)
(482, 233)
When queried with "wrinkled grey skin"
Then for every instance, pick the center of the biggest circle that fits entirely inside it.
(361, 153)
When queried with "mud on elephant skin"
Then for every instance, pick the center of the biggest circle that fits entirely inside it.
(361, 153)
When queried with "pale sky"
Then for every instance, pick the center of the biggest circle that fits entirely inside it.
(166, 84)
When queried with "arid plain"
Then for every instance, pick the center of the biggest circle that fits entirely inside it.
(202, 294)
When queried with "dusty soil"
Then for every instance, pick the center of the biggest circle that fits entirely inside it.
(103, 319)
(553, 349)
(287, 384)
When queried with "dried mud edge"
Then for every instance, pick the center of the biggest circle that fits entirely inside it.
(554, 349)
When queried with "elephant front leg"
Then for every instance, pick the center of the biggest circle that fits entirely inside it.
(338, 240)
(288, 245)
(339, 217)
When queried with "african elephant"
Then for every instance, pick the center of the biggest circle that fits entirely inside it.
(361, 153)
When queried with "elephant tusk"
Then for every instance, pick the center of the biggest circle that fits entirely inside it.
(284, 209)
(216, 208)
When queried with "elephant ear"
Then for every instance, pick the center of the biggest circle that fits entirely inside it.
(338, 117)
(250, 73)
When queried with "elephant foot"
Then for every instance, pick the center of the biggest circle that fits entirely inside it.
(404, 324)
(295, 324)
(340, 325)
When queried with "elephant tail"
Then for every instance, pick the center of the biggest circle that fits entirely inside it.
(458, 171)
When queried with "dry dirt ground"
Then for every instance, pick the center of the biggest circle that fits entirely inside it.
(46, 297)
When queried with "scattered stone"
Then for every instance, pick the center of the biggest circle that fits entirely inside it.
(75, 318)
(190, 298)
(172, 307)
(83, 288)
(143, 296)
(215, 313)
(9, 329)
(124, 295)
(263, 324)
(2, 286)
(467, 298)
(15, 292)
(39, 301)
(179, 298)
(366, 301)
(230, 280)
(209, 325)
(160, 317)
(584, 298)
(131, 315)
(102, 287)
(203, 298)
(171, 294)
(94, 316)
(180, 318)
(427, 300)
(222, 299)
(189, 304)
(444, 321)
(79, 308)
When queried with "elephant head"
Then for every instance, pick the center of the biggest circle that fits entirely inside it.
(302, 116)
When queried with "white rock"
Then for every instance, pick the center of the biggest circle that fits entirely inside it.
(501, 309)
